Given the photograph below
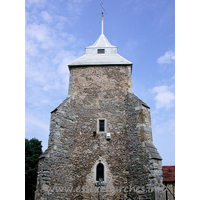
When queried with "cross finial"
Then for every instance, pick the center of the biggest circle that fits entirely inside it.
(102, 9)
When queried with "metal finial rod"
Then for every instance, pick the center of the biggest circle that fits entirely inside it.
(102, 9)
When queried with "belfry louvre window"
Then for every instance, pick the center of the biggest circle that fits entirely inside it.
(102, 125)
(100, 172)
(100, 51)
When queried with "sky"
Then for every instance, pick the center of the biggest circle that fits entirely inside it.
(57, 32)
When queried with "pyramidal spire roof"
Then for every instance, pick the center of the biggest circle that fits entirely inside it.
(100, 53)
(102, 41)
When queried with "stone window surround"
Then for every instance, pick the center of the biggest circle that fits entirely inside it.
(104, 124)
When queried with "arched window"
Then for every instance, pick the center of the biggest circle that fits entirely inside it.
(100, 172)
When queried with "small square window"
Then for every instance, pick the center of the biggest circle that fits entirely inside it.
(100, 51)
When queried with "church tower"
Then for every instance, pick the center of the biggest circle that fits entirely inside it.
(100, 143)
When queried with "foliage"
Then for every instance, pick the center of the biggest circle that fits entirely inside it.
(33, 150)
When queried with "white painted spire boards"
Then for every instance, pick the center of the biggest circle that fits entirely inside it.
(102, 9)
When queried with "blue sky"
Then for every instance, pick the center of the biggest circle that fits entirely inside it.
(57, 33)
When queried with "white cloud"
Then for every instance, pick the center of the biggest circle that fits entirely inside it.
(50, 47)
(41, 34)
(63, 58)
(55, 86)
(45, 15)
(164, 96)
(34, 75)
(166, 58)
(31, 48)
(38, 3)
(32, 121)
(75, 6)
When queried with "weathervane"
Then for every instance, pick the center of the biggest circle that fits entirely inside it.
(102, 9)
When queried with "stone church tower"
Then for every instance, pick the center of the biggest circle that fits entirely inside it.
(100, 143)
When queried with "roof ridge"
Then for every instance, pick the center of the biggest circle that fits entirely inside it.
(105, 41)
